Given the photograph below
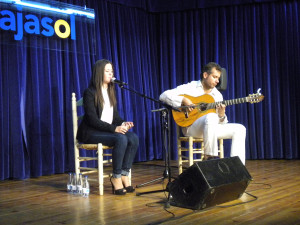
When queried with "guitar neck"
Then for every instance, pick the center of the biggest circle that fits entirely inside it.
(205, 104)
(227, 102)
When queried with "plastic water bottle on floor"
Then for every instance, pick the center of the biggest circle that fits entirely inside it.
(85, 187)
(69, 184)
(79, 185)
(74, 183)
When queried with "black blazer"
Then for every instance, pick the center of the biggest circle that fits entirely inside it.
(91, 120)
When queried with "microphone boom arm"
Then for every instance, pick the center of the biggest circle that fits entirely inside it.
(147, 97)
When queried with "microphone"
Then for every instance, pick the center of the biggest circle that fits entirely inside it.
(114, 80)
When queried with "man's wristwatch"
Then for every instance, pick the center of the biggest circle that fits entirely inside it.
(223, 117)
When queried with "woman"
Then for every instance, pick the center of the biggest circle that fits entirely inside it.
(102, 124)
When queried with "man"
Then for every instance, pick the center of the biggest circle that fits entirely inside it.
(210, 126)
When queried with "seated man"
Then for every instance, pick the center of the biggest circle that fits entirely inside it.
(213, 125)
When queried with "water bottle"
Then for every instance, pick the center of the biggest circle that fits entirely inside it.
(85, 187)
(69, 184)
(74, 183)
(79, 185)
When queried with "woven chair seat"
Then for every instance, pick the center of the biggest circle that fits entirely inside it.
(91, 146)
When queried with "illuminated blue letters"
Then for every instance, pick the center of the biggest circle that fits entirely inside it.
(32, 25)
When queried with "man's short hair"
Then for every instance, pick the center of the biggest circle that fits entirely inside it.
(208, 68)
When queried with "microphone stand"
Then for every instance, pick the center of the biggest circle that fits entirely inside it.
(166, 142)
(166, 138)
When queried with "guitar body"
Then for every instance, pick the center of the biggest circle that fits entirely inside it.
(180, 117)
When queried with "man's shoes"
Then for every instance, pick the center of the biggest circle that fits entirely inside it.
(209, 157)
(212, 157)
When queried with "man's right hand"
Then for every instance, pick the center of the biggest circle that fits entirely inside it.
(187, 102)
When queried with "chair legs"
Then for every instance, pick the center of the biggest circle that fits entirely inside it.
(77, 163)
(129, 177)
(191, 151)
(179, 157)
(100, 169)
(221, 148)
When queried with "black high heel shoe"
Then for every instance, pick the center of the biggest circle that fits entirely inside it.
(130, 189)
(121, 191)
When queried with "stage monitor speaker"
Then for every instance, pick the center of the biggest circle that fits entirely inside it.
(222, 85)
(209, 183)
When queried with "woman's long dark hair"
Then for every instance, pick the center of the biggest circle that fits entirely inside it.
(97, 82)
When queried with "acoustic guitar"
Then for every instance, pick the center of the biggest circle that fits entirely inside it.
(205, 104)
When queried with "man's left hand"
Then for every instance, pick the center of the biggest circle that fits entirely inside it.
(220, 108)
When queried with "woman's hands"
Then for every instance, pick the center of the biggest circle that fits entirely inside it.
(128, 124)
(124, 127)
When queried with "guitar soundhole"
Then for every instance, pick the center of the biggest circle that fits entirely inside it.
(203, 106)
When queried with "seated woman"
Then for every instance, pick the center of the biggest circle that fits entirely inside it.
(102, 124)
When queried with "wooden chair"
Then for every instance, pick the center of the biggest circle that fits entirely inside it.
(104, 155)
(192, 150)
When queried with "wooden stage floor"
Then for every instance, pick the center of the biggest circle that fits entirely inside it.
(44, 200)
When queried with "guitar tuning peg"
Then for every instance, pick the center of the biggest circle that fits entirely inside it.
(258, 91)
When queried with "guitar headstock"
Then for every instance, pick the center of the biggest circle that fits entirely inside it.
(255, 98)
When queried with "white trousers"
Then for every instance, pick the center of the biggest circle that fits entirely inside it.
(208, 128)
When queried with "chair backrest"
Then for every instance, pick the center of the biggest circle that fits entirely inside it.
(75, 116)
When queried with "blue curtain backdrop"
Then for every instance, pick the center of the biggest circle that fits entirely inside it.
(154, 45)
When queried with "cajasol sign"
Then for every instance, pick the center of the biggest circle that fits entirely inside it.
(31, 24)
(24, 18)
